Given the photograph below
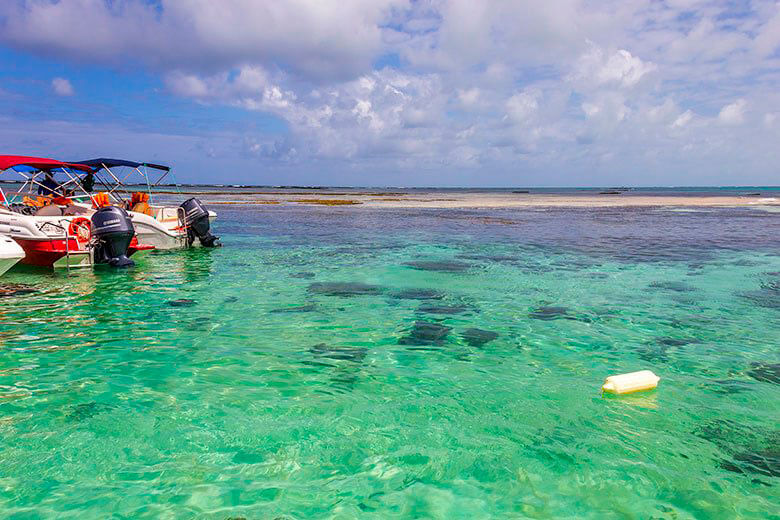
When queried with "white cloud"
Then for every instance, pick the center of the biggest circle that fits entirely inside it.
(768, 39)
(243, 87)
(619, 68)
(187, 85)
(313, 38)
(554, 86)
(683, 119)
(591, 109)
(469, 97)
(607, 109)
(62, 87)
(522, 106)
(733, 113)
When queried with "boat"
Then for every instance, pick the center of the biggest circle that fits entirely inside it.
(10, 253)
(164, 227)
(55, 231)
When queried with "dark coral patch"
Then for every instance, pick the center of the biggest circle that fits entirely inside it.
(298, 308)
(425, 333)
(673, 342)
(352, 354)
(766, 372)
(765, 462)
(550, 313)
(658, 352)
(344, 288)
(673, 286)
(304, 275)
(444, 266)
(181, 302)
(498, 259)
(722, 432)
(85, 411)
(478, 337)
(767, 298)
(418, 294)
(729, 386)
(653, 354)
(431, 308)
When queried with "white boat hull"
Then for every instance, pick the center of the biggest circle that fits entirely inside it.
(165, 234)
(155, 233)
(10, 253)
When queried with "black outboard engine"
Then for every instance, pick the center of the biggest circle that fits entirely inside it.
(114, 230)
(196, 219)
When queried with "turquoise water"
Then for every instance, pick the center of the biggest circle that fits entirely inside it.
(323, 365)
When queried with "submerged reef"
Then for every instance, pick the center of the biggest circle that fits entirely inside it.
(673, 342)
(653, 353)
(550, 313)
(351, 354)
(425, 333)
(418, 294)
(432, 308)
(768, 296)
(309, 307)
(344, 288)
(305, 275)
(658, 352)
(766, 372)
(444, 266)
(478, 337)
(764, 462)
(84, 411)
(752, 451)
(181, 302)
(729, 386)
(673, 286)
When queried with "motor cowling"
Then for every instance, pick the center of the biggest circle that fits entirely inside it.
(196, 220)
(113, 230)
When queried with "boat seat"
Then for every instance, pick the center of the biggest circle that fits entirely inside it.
(49, 211)
(143, 207)
(74, 210)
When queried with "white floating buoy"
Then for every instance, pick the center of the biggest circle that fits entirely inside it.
(630, 383)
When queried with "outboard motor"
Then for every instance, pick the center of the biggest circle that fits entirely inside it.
(196, 219)
(114, 230)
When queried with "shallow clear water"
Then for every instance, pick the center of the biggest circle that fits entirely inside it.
(241, 382)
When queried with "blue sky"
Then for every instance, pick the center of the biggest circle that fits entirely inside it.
(399, 92)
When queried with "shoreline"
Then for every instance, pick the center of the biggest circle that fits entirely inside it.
(494, 200)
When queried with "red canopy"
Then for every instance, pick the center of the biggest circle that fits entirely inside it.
(9, 161)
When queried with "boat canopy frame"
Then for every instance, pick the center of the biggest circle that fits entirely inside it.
(38, 167)
(113, 183)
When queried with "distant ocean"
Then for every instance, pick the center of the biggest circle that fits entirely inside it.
(644, 191)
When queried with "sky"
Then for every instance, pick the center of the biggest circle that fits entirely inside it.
(400, 92)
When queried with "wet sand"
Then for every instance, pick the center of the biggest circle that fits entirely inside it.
(493, 200)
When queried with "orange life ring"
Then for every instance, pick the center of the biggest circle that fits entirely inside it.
(81, 228)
